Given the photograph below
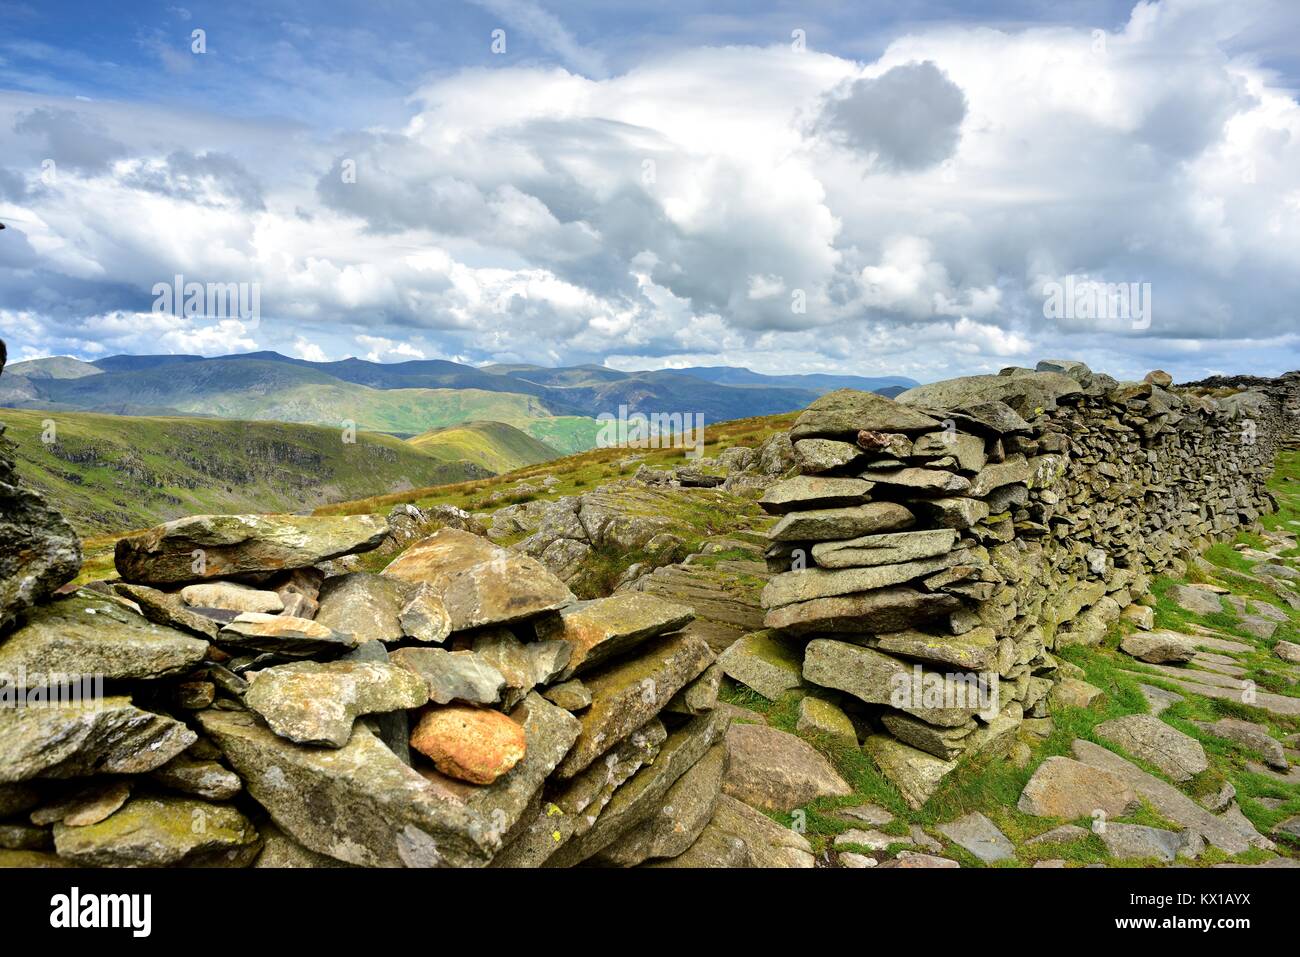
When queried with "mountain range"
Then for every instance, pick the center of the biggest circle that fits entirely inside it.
(556, 406)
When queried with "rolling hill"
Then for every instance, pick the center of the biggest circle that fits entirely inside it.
(495, 446)
(109, 473)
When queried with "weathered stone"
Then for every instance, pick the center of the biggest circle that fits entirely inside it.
(1142, 616)
(871, 840)
(927, 481)
(944, 743)
(886, 549)
(522, 665)
(424, 617)
(957, 513)
(1065, 834)
(1147, 737)
(279, 850)
(480, 583)
(471, 744)
(628, 693)
(365, 605)
(239, 544)
(1065, 788)
(1230, 836)
(167, 608)
(1287, 651)
(643, 795)
(825, 720)
(825, 455)
(1128, 841)
(845, 412)
(888, 609)
(866, 813)
(358, 804)
(814, 492)
(87, 805)
(87, 635)
(812, 583)
(1073, 693)
(452, 675)
(916, 774)
(908, 859)
(700, 695)
(973, 650)
(1158, 647)
(604, 628)
(968, 450)
(1026, 393)
(204, 779)
(1248, 735)
(825, 524)
(776, 771)
(769, 844)
(713, 848)
(1158, 699)
(687, 807)
(161, 832)
(1196, 600)
(571, 695)
(980, 836)
(1014, 469)
(284, 636)
(317, 703)
(764, 661)
(231, 596)
(73, 740)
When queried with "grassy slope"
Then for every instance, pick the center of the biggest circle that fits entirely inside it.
(494, 445)
(112, 473)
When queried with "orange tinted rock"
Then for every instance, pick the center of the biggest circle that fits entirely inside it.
(473, 744)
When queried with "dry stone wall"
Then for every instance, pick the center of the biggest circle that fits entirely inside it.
(935, 551)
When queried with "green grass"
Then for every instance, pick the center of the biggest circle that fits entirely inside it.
(495, 446)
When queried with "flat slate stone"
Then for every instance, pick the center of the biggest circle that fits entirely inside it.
(453, 675)
(160, 832)
(1170, 803)
(917, 775)
(1065, 788)
(64, 741)
(1249, 735)
(240, 544)
(886, 609)
(812, 583)
(1148, 738)
(87, 635)
(283, 635)
(769, 844)
(1129, 841)
(846, 412)
(884, 549)
(1158, 647)
(814, 492)
(1196, 600)
(825, 524)
(980, 836)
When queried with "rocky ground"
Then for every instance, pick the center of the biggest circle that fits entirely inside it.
(576, 672)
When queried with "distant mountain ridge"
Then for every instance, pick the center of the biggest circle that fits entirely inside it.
(556, 406)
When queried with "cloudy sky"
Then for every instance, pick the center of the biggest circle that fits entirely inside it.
(884, 188)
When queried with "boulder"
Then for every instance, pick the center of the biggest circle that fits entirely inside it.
(887, 549)
(283, 636)
(231, 596)
(219, 546)
(887, 609)
(825, 524)
(72, 740)
(980, 836)
(480, 583)
(1248, 735)
(916, 774)
(769, 844)
(825, 455)
(822, 719)
(365, 605)
(317, 703)
(1129, 841)
(1287, 651)
(1196, 600)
